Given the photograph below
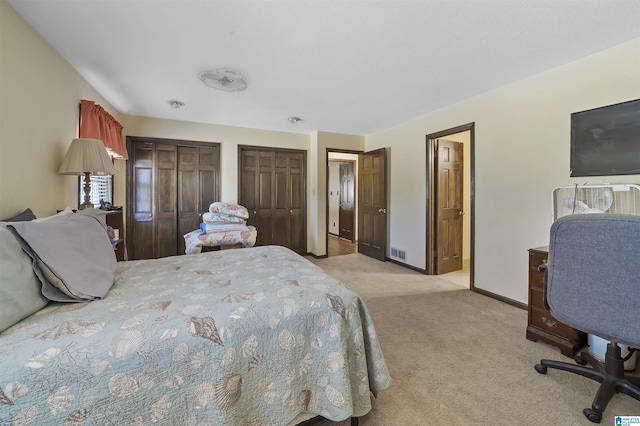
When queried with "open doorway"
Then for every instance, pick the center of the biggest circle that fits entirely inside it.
(342, 214)
(450, 204)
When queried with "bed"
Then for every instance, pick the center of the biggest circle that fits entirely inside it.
(255, 336)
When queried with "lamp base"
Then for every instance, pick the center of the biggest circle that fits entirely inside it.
(87, 189)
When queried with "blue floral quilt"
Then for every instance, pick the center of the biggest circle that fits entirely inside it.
(236, 337)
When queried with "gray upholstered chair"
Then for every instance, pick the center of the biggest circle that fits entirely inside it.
(592, 283)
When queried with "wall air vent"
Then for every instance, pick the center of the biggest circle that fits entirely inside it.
(398, 254)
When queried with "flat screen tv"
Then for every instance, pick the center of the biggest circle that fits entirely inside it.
(605, 141)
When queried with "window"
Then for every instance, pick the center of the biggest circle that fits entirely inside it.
(101, 189)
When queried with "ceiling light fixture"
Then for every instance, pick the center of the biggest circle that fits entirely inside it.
(176, 104)
(294, 120)
(226, 79)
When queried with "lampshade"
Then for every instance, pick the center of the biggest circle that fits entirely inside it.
(87, 156)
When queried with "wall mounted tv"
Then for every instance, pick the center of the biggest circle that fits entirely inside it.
(606, 141)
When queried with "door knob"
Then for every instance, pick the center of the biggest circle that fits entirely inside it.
(382, 210)
(461, 213)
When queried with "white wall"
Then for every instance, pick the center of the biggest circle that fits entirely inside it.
(522, 152)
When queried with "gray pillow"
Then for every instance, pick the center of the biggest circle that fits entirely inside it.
(72, 255)
(20, 294)
(25, 216)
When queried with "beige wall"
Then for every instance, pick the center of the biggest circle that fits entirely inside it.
(39, 98)
(522, 149)
(522, 152)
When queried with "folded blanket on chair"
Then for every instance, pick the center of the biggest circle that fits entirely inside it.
(221, 217)
(230, 209)
(217, 227)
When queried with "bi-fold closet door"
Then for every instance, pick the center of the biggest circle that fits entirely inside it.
(170, 183)
(272, 186)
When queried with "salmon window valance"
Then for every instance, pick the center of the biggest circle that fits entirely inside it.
(96, 123)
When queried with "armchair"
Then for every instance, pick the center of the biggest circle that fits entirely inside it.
(592, 283)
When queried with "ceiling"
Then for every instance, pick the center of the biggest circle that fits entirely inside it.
(354, 67)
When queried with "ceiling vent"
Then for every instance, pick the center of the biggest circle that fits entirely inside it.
(226, 79)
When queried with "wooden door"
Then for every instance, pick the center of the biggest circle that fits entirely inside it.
(170, 186)
(347, 202)
(449, 211)
(272, 187)
(296, 193)
(254, 193)
(197, 177)
(141, 227)
(372, 209)
(166, 217)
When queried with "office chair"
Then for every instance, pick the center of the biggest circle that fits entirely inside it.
(592, 283)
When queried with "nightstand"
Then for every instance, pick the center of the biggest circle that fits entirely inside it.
(116, 221)
(541, 324)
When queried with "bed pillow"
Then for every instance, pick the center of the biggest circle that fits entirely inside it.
(20, 294)
(72, 256)
(25, 216)
(67, 210)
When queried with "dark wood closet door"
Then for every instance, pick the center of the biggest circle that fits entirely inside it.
(255, 191)
(142, 226)
(166, 208)
(188, 184)
(272, 187)
(296, 229)
(171, 186)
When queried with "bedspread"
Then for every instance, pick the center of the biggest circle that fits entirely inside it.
(236, 337)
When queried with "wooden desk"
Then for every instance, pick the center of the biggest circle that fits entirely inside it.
(541, 324)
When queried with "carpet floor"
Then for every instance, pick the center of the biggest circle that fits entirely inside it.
(460, 358)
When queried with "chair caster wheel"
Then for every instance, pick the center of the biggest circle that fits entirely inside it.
(579, 360)
(592, 415)
(541, 368)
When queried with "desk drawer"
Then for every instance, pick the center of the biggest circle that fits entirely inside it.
(536, 298)
(543, 320)
(536, 277)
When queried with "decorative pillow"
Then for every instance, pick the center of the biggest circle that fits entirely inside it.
(230, 209)
(72, 255)
(20, 294)
(25, 216)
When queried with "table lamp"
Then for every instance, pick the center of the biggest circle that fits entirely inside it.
(86, 157)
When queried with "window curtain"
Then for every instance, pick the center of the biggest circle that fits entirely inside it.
(96, 123)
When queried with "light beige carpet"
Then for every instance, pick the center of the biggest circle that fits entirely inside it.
(460, 358)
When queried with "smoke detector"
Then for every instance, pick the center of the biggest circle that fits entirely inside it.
(226, 79)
